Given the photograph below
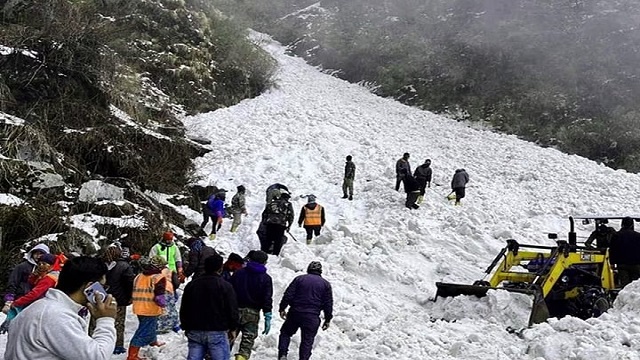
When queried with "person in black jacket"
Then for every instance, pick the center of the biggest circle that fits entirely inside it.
(254, 290)
(458, 185)
(306, 297)
(625, 253)
(423, 176)
(198, 252)
(412, 189)
(402, 167)
(209, 313)
(119, 283)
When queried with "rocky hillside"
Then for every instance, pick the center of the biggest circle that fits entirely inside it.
(91, 93)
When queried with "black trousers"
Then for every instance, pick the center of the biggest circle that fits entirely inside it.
(273, 236)
(459, 193)
(312, 229)
(412, 197)
(422, 184)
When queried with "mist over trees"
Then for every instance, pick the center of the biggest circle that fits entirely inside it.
(563, 73)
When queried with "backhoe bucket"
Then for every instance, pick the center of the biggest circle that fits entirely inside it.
(449, 290)
(539, 311)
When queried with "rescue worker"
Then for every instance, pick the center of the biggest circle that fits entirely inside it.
(458, 184)
(254, 290)
(277, 218)
(412, 189)
(349, 176)
(168, 250)
(402, 167)
(625, 253)
(312, 215)
(423, 177)
(306, 297)
(238, 208)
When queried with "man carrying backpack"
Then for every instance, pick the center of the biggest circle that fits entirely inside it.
(277, 218)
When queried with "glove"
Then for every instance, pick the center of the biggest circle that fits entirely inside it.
(325, 325)
(160, 300)
(181, 276)
(7, 307)
(267, 323)
(299, 225)
(283, 314)
(4, 328)
(9, 297)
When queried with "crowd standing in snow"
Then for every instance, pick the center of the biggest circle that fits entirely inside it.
(223, 299)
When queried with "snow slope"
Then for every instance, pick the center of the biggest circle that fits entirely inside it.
(382, 259)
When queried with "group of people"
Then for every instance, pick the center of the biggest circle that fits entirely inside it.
(216, 210)
(222, 300)
(415, 184)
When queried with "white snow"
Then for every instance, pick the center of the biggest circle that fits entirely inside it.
(9, 119)
(94, 190)
(382, 259)
(11, 200)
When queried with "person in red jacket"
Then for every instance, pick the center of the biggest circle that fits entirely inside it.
(42, 279)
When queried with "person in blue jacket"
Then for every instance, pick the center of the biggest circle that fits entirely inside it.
(254, 290)
(214, 210)
(306, 297)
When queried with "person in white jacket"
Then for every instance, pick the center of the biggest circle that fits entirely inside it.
(55, 327)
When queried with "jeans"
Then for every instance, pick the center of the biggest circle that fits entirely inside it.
(215, 343)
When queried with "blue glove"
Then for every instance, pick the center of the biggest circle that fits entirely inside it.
(267, 323)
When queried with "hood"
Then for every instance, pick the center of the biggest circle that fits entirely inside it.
(311, 206)
(459, 170)
(41, 247)
(255, 267)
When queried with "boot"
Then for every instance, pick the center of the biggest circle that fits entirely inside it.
(415, 206)
(240, 357)
(350, 197)
(212, 237)
(458, 203)
(133, 353)
(344, 196)
(308, 241)
(420, 198)
(233, 228)
(119, 350)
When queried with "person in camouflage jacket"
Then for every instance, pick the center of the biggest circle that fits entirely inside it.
(238, 208)
(277, 218)
(349, 175)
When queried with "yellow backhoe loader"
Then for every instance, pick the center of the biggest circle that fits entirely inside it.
(566, 279)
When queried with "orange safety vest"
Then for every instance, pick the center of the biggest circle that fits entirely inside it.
(168, 289)
(143, 295)
(313, 217)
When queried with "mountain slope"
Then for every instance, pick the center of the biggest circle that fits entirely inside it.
(383, 259)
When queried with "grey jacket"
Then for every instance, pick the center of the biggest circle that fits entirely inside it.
(460, 179)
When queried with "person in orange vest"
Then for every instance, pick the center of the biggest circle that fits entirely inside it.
(148, 302)
(312, 215)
